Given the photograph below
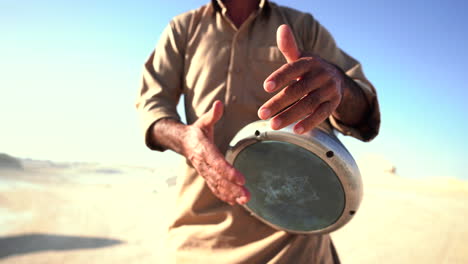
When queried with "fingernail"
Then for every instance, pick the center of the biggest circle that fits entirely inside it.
(275, 123)
(264, 113)
(241, 200)
(299, 130)
(269, 86)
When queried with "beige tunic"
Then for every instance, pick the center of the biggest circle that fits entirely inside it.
(203, 56)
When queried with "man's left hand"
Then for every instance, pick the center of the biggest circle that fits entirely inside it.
(311, 88)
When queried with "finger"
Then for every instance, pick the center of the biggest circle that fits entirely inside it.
(222, 188)
(305, 106)
(313, 120)
(244, 199)
(289, 73)
(287, 44)
(231, 193)
(218, 163)
(231, 173)
(290, 95)
(210, 118)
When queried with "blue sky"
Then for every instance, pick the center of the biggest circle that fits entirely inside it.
(69, 73)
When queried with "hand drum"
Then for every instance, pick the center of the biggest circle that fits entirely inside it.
(305, 184)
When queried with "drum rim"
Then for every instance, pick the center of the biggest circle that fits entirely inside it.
(320, 143)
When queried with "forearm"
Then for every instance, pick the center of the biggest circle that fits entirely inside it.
(353, 107)
(195, 142)
(169, 134)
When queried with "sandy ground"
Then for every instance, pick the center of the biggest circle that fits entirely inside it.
(92, 214)
(407, 221)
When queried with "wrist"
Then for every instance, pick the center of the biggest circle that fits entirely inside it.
(168, 134)
(191, 140)
(353, 105)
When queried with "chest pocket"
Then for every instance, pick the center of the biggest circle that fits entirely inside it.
(263, 61)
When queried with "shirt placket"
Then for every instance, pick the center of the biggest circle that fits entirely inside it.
(238, 53)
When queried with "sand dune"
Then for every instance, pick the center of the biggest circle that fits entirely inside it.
(9, 162)
(93, 213)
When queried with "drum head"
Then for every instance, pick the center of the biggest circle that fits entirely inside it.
(305, 184)
(290, 186)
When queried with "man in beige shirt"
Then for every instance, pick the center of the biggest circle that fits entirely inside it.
(236, 61)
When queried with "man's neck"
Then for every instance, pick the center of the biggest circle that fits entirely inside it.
(239, 10)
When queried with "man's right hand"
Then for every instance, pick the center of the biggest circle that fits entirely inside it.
(222, 178)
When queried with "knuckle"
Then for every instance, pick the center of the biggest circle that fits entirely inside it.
(298, 89)
(325, 109)
(294, 91)
(325, 77)
(330, 88)
(290, 90)
(230, 174)
(304, 63)
(307, 61)
(301, 87)
(289, 65)
(311, 101)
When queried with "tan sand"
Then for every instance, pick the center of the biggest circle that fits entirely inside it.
(91, 214)
(408, 221)
(65, 217)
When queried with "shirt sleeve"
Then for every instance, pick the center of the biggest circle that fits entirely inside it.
(162, 81)
(318, 40)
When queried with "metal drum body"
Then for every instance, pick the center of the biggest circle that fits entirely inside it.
(304, 184)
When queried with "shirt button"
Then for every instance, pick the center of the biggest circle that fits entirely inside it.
(234, 98)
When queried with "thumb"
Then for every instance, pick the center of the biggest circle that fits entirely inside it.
(209, 119)
(286, 43)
